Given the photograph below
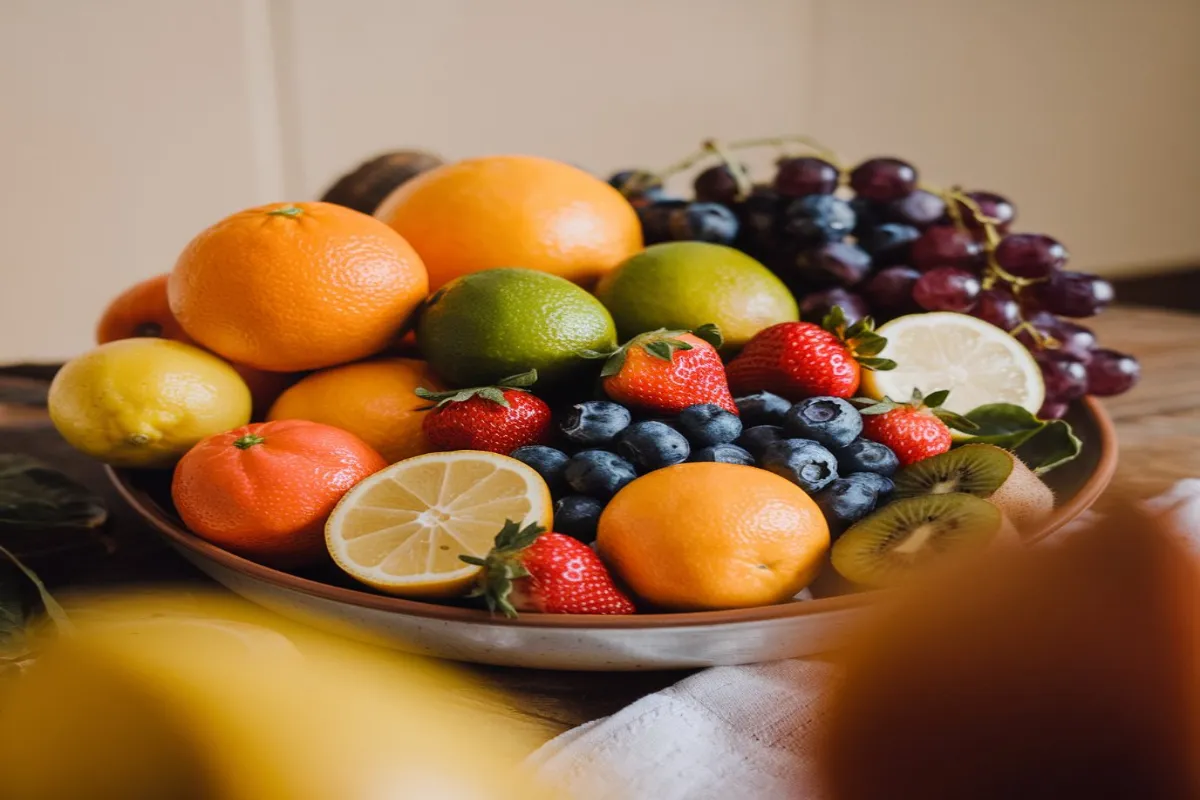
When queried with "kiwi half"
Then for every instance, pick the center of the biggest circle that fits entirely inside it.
(978, 469)
(908, 535)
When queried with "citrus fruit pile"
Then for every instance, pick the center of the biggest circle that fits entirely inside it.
(491, 391)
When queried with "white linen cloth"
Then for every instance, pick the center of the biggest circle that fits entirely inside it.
(733, 732)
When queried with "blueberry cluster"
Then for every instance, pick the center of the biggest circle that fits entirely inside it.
(815, 443)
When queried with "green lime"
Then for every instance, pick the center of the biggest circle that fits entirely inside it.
(683, 285)
(488, 325)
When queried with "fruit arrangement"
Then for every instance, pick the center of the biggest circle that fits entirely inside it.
(491, 392)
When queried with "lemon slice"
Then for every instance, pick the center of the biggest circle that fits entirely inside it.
(976, 361)
(402, 529)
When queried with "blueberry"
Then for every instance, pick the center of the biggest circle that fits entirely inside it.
(844, 502)
(598, 473)
(889, 244)
(863, 455)
(758, 438)
(595, 422)
(709, 424)
(882, 486)
(831, 421)
(548, 462)
(763, 408)
(802, 461)
(652, 445)
(723, 454)
(819, 218)
(577, 515)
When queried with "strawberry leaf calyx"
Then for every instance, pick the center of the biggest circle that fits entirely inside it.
(918, 402)
(860, 339)
(661, 344)
(495, 394)
(503, 565)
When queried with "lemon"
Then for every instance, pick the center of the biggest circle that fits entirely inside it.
(977, 362)
(145, 402)
(403, 529)
(489, 325)
(683, 285)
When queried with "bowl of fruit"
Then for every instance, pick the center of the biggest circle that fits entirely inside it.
(525, 417)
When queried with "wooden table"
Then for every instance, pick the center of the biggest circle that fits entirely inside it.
(1158, 423)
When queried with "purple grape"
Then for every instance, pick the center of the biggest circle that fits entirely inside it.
(921, 209)
(1110, 372)
(992, 205)
(868, 215)
(890, 291)
(1053, 409)
(883, 179)
(999, 307)
(1030, 255)
(1069, 294)
(818, 218)
(1073, 339)
(1066, 377)
(889, 243)
(946, 246)
(715, 185)
(758, 216)
(833, 264)
(816, 305)
(798, 177)
(947, 289)
(683, 221)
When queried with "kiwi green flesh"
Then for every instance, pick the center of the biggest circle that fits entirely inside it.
(906, 535)
(978, 469)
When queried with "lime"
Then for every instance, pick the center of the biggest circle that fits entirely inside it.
(683, 285)
(145, 402)
(485, 326)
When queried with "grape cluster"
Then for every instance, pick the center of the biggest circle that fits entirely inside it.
(874, 241)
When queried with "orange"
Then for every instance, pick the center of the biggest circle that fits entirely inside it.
(513, 211)
(264, 491)
(142, 310)
(705, 536)
(296, 286)
(375, 400)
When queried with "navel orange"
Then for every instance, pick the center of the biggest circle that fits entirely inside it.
(264, 491)
(513, 211)
(703, 536)
(296, 286)
(375, 400)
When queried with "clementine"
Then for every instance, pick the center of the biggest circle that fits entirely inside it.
(140, 310)
(296, 286)
(706, 535)
(513, 211)
(264, 491)
(375, 400)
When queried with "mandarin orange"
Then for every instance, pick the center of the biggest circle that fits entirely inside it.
(296, 286)
(704, 536)
(140, 310)
(264, 491)
(513, 211)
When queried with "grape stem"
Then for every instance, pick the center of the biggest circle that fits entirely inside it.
(782, 142)
(737, 170)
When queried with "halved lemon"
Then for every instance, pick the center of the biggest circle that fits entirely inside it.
(976, 361)
(402, 530)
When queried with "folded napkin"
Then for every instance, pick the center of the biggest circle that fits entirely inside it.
(727, 732)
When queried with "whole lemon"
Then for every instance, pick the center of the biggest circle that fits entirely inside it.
(145, 402)
(489, 325)
(683, 285)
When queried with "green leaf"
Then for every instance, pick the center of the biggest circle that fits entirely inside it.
(53, 610)
(710, 333)
(937, 398)
(659, 349)
(493, 394)
(522, 381)
(860, 328)
(593, 354)
(956, 421)
(834, 320)
(614, 364)
(1003, 424)
(1054, 445)
(870, 345)
(882, 407)
(880, 364)
(34, 496)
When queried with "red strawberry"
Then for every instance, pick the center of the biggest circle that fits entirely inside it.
(803, 359)
(548, 573)
(667, 371)
(915, 430)
(498, 418)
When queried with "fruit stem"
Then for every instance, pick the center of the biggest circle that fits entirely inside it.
(289, 211)
(661, 177)
(782, 141)
(737, 170)
(248, 441)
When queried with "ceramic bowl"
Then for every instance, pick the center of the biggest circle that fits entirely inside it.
(547, 641)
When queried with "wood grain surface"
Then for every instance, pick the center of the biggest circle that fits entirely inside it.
(1158, 424)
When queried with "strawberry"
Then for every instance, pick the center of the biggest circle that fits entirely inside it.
(498, 418)
(548, 573)
(803, 359)
(667, 371)
(914, 430)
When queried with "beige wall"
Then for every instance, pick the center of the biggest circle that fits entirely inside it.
(131, 124)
